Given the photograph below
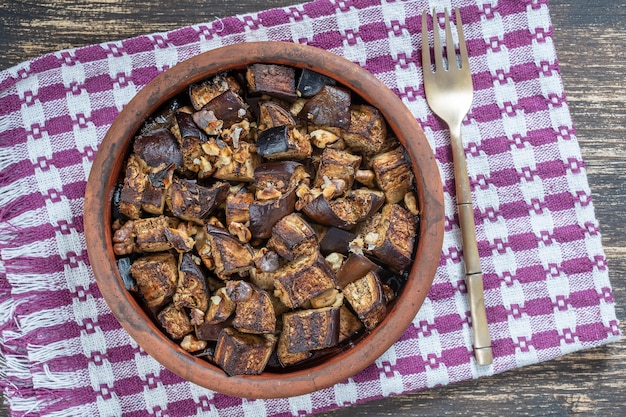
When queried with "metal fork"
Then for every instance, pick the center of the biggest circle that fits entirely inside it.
(449, 93)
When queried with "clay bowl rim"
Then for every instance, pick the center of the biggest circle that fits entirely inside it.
(110, 158)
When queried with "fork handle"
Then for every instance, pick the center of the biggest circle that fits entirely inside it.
(471, 259)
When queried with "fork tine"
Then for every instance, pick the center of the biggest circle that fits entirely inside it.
(462, 46)
(450, 51)
(426, 64)
(437, 44)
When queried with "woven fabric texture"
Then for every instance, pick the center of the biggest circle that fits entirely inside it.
(547, 288)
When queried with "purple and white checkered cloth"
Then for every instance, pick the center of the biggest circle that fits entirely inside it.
(547, 286)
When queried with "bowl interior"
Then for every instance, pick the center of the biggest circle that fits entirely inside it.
(107, 168)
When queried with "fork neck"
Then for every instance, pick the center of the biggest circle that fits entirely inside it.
(463, 190)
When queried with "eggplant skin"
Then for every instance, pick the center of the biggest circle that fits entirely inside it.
(240, 353)
(156, 277)
(158, 148)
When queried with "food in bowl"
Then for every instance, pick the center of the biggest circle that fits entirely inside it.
(265, 217)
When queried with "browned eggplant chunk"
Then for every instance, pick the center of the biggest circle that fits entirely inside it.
(336, 240)
(393, 174)
(191, 290)
(158, 148)
(190, 139)
(367, 131)
(390, 236)
(272, 114)
(240, 166)
(155, 192)
(312, 329)
(193, 202)
(367, 299)
(254, 313)
(272, 179)
(135, 182)
(337, 165)
(243, 353)
(229, 255)
(179, 239)
(221, 307)
(151, 233)
(284, 142)
(354, 267)
(347, 211)
(228, 107)
(329, 107)
(274, 80)
(349, 324)
(211, 331)
(205, 91)
(238, 206)
(302, 279)
(293, 237)
(311, 82)
(175, 321)
(156, 276)
(265, 214)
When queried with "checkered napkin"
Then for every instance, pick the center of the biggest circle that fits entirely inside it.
(547, 288)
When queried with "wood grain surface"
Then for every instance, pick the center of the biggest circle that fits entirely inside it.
(590, 38)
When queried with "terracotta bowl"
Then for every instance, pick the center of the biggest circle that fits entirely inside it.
(109, 163)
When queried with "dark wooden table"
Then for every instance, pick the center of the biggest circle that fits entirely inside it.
(590, 39)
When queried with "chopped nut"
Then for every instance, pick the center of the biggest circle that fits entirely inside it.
(241, 231)
(191, 344)
(322, 138)
(335, 260)
(410, 201)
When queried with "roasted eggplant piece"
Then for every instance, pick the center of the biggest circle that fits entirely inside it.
(349, 324)
(221, 307)
(135, 182)
(227, 254)
(272, 114)
(211, 331)
(311, 82)
(175, 321)
(390, 236)
(367, 131)
(393, 174)
(228, 107)
(302, 279)
(156, 276)
(123, 265)
(190, 139)
(329, 107)
(158, 148)
(354, 267)
(292, 237)
(241, 165)
(191, 290)
(265, 214)
(151, 233)
(240, 353)
(313, 329)
(205, 91)
(345, 212)
(274, 80)
(336, 240)
(179, 238)
(238, 206)
(156, 189)
(284, 142)
(337, 165)
(273, 179)
(367, 299)
(190, 201)
(254, 312)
